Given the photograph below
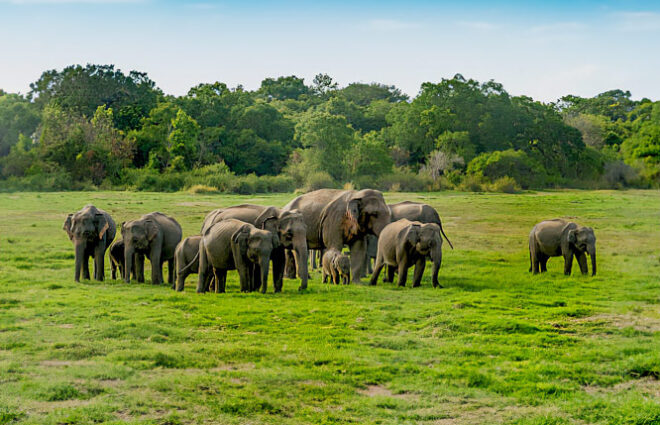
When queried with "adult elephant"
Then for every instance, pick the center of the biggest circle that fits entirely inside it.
(156, 236)
(554, 238)
(235, 245)
(417, 211)
(335, 218)
(91, 230)
(289, 227)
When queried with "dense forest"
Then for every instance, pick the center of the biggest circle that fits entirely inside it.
(93, 126)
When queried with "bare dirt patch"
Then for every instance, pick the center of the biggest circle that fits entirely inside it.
(636, 321)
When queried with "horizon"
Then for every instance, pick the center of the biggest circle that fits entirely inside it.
(543, 51)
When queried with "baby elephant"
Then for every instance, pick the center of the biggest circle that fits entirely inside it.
(552, 238)
(336, 264)
(186, 259)
(116, 254)
(405, 243)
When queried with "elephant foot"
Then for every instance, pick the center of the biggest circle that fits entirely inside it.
(302, 288)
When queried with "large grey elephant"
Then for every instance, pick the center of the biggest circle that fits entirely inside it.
(91, 230)
(405, 243)
(554, 238)
(335, 218)
(235, 245)
(156, 236)
(289, 226)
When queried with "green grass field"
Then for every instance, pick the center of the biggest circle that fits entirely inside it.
(496, 345)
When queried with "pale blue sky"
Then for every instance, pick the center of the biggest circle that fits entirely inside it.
(541, 49)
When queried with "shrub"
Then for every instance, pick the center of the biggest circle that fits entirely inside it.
(618, 174)
(471, 184)
(202, 189)
(505, 185)
(319, 180)
(515, 164)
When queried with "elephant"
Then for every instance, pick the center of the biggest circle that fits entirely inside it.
(91, 230)
(552, 238)
(235, 245)
(186, 260)
(336, 264)
(417, 211)
(116, 254)
(372, 251)
(335, 218)
(405, 243)
(156, 236)
(289, 226)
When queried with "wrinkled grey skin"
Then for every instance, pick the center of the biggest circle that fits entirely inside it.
(336, 265)
(372, 251)
(186, 260)
(288, 226)
(91, 230)
(405, 243)
(156, 236)
(335, 218)
(235, 245)
(116, 254)
(554, 238)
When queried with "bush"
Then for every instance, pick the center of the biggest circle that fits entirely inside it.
(319, 180)
(471, 184)
(618, 174)
(202, 189)
(509, 163)
(149, 180)
(505, 185)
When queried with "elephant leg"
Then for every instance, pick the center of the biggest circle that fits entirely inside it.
(278, 260)
(312, 258)
(85, 266)
(203, 270)
(358, 256)
(156, 265)
(290, 265)
(420, 265)
(220, 280)
(170, 272)
(534, 261)
(139, 267)
(300, 257)
(335, 276)
(582, 262)
(568, 263)
(325, 276)
(403, 273)
(543, 263)
(99, 262)
(391, 270)
(216, 277)
(378, 266)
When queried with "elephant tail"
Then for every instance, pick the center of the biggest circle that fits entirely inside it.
(185, 269)
(443, 234)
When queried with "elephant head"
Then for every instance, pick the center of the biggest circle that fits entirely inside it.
(138, 235)
(366, 213)
(343, 265)
(252, 248)
(583, 239)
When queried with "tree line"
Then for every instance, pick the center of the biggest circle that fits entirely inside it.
(96, 126)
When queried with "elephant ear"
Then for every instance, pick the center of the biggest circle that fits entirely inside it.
(412, 234)
(351, 225)
(67, 226)
(101, 223)
(152, 229)
(262, 220)
(571, 236)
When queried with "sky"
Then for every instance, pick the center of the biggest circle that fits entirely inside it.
(540, 49)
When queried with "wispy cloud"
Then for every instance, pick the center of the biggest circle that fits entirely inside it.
(390, 25)
(638, 21)
(478, 25)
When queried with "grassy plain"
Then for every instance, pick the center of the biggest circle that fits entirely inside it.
(496, 345)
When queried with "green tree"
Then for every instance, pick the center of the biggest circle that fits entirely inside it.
(290, 87)
(17, 116)
(183, 141)
(364, 94)
(369, 157)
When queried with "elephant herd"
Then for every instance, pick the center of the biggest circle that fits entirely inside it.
(252, 238)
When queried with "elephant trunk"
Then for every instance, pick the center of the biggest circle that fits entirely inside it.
(592, 254)
(301, 254)
(80, 255)
(128, 263)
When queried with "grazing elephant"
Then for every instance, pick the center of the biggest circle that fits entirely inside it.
(552, 238)
(91, 230)
(156, 236)
(417, 211)
(186, 259)
(335, 264)
(116, 254)
(335, 218)
(405, 243)
(288, 226)
(235, 245)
